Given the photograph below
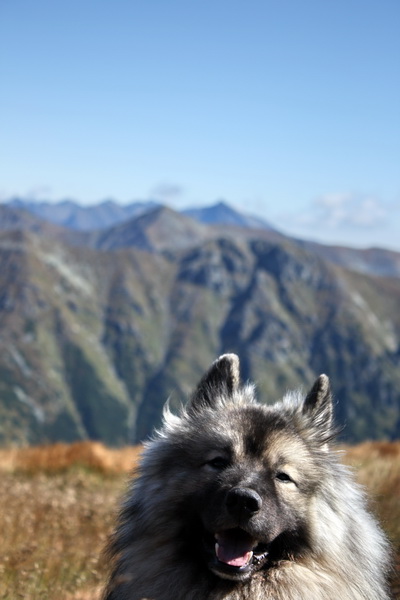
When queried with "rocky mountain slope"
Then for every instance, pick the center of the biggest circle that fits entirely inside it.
(109, 213)
(73, 215)
(95, 335)
(222, 213)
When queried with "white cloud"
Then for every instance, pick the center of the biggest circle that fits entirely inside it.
(167, 192)
(348, 210)
(39, 192)
(347, 219)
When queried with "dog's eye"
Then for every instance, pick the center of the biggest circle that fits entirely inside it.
(218, 463)
(282, 476)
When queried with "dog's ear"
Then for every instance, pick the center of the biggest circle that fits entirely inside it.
(318, 408)
(221, 379)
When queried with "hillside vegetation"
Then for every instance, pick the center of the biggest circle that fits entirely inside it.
(59, 505)
(93, 340)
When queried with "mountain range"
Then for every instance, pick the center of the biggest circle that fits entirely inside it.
(108, 213)
(100, 323)
(73, 215)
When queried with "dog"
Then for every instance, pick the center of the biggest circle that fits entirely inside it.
(236, 500)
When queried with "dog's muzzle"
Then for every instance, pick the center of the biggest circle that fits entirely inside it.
(237, 554)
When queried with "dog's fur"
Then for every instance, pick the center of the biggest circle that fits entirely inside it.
(236, 500)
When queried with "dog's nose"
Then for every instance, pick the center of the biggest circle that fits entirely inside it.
(243, 502)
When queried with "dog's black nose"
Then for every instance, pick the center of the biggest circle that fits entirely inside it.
(243, 502)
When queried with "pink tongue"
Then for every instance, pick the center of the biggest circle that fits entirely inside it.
(234, 548)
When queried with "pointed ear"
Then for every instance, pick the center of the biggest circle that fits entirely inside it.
(318, 408)
(222, 378)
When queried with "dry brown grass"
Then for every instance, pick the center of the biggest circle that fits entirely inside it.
(59, 457)
(377, 465)
(53, 529)
(59, 505)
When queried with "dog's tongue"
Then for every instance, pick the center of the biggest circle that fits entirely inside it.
(234, 547)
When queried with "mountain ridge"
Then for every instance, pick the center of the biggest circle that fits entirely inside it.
(222, 213)
(136, 231)
(93, 342)
(109, 213)
(73, 215)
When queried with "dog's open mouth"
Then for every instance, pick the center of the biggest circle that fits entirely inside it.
(237, 553)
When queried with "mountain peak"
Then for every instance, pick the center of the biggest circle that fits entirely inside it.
(222, 204)
(152, 230)
(222, 213)
(73, 215)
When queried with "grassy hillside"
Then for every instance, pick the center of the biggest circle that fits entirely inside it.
(94, 341)
(60, 503)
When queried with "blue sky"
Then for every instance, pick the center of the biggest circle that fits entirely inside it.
(287, 109)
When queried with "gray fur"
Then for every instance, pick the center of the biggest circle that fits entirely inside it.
(315, 539)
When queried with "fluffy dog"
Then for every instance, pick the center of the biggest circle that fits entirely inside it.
(236, 500)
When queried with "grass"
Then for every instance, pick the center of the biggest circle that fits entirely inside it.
(60, 503)
(53, 531)
(60, 507)
(377, 465)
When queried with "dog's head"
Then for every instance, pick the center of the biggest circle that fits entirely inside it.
(251, 470)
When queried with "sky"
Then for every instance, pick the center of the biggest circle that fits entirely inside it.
(287, 109)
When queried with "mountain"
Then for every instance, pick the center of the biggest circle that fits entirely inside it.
(374, 261)
(94, 337)
(223, 214)
(68, 213)
(19, 219)
(108, 213)
(157, 229)
(110, 225)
